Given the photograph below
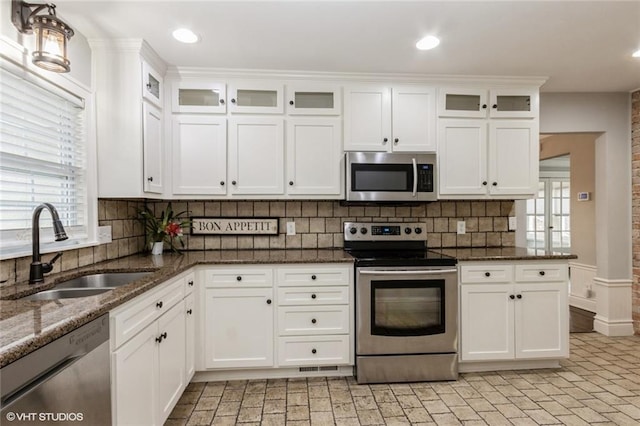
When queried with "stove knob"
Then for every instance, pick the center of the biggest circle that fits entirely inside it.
(353, 230)
(407, 230)
(418, 230)
(363, 230)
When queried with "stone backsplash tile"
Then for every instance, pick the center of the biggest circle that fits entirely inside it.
(319, 223)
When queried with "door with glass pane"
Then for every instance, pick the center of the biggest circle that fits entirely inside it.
(548, 216)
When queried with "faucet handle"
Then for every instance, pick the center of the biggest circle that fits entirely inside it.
(48, 267)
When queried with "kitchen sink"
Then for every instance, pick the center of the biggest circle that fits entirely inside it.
(88, 285)
(106, 280)
(66, 293)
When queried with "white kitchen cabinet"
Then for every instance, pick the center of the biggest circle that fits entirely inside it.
(171, 360)
(277, 316)
(199, 155)
(197, 96)
(483, 103)
(128, 122)
(134, 372)
(314, 157)
(256, 98)
(152, 84)
(152, 148)
(256, 156)
(152, 363)
(510, 313)
(190, 310)
(307, 99)
(389, 119)
(487, 158)
(149, 346)
(239, 327)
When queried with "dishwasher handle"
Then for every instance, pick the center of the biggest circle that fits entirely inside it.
(409, 272)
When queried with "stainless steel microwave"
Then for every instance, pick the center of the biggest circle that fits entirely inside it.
(378, 176)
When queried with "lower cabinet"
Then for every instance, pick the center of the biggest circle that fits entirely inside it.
(150, 348)
(239, 327)
(280, 316)
(517, 311)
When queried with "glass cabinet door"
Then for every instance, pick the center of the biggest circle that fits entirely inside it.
(311, 100)
(151, 85)
(509, 103)
(462, 102)
(194, 97)
(256, 99)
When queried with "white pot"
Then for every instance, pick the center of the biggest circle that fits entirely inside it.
(156, 248)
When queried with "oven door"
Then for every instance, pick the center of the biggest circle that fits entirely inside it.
(406, 310)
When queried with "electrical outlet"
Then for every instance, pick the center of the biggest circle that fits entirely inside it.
(462, 227)
(104, 234)
(512, 223)
(291, 228)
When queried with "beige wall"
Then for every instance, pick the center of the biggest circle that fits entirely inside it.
(635, 204)
(581, 148)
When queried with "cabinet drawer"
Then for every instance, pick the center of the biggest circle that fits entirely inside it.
(314, 275)
(137, 314)
(305, 320)
(313, 295)
(313, 350)
(239, 278)
(487, 273)
(540, 272)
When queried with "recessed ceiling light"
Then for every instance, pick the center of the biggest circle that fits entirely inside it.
(185, 35)
(428, 42)
(636, 54)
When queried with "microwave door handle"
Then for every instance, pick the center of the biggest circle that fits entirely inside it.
(415, 177)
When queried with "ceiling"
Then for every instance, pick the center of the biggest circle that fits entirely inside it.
(580, 46)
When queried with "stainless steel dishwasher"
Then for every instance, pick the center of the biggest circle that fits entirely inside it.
(64, 382)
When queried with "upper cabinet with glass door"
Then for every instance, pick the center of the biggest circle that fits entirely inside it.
(314, 100)
(151, 85)
(199, 97)
(482, 103)
(256, 98)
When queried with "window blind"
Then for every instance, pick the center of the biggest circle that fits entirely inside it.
(42, 159)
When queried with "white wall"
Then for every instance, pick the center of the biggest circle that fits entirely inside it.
(79, 50)
(610, 114)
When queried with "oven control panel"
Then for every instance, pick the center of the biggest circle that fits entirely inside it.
(395, 231)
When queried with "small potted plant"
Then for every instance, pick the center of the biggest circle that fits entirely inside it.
(167, 228)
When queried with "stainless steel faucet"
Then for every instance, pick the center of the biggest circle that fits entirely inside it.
(38, 269)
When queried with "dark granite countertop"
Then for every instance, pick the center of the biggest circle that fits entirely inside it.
(27, 325)
(501, 253)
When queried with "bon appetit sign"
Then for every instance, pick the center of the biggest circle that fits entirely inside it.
(234, 226)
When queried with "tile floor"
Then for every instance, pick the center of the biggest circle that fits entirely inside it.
(598, 385)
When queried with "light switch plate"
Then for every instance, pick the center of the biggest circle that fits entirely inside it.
(291, 228)
(104, 234)
(512, 223)
(462, 227)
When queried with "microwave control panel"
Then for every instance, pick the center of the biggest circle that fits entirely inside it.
(425, 177)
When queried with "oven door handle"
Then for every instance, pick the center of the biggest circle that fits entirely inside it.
(415, 177)
(410, 272)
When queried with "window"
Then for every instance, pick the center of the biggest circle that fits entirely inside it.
(42, 159)
(548, 216)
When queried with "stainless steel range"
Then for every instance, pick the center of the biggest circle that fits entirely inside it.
(406, 304)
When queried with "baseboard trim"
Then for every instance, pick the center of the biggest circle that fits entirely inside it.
(269, 373)
(613, 328)
(479, 366)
